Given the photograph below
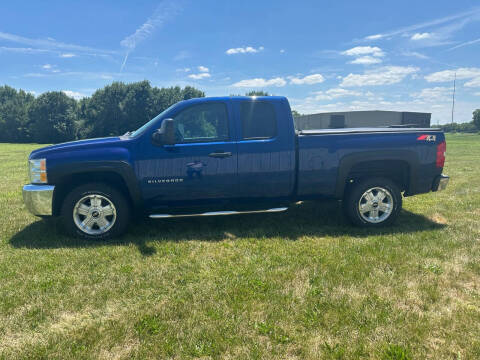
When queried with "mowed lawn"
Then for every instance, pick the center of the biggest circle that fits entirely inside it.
(298, 285)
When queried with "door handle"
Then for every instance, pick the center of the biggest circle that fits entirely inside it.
(220, 154)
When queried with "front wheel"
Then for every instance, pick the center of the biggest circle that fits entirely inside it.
(95, 211)
(373, 202)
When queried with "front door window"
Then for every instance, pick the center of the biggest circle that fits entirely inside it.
(206, 122)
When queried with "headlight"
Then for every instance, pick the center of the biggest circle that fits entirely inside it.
(37, 171)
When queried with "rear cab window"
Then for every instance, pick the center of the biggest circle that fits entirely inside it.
(258, 120)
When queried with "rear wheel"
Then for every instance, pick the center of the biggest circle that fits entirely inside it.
(95, 211)
(373, 202)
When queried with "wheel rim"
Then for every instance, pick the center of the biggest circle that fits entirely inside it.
(375, 205)
(94, 214)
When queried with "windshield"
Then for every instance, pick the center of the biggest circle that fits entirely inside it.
(147, 125)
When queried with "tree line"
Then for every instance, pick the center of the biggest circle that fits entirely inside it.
(468, 127)
(54, 117)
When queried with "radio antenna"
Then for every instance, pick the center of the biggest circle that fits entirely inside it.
(453, 95)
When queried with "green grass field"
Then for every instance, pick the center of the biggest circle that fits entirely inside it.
(302, 284)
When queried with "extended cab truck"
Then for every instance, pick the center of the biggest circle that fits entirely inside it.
(230, 155)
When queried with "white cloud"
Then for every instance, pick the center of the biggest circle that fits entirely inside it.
(259, 82)
(282, 51)
(204, 73)
(374, 37)
(366, 55)
(364, 50)
(309, 79)
(82, 75)
(182, 55)
(434, 94)
(23, 50)
(465, 16)
(449, 75)
(421, 36)
(200, 76)
(35, 75)
(165, 11)
(56, 52)
(244, 50)
(183, 70)
(49, 44)
(74, 94)
(335, 93)
(386, 75)
(50, 68)
(473, 83)
(366, 60)
(415, 54)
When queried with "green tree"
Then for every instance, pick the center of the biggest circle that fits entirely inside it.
(52, 118)
(455, 127)
(120, 107)
(14, 121)
(103, 113)
(295, 113)
(137, 105)
(257, 93)
(476, 118)
(190, 92)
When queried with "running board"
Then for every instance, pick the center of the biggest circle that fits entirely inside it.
(218, 213)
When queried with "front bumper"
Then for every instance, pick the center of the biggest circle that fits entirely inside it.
(38, 199)
(440, 183)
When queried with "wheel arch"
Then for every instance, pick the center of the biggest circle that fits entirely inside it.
(115, 174)
(398, 166)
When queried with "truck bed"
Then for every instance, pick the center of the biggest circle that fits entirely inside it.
(327, 157)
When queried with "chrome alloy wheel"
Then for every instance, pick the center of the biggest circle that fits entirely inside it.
(94, 214)
(375, 205)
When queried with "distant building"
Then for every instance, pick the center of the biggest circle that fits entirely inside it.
(353, 119)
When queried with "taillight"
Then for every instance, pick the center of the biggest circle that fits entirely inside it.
(441, 148)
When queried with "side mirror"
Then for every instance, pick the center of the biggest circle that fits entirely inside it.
(166, 134)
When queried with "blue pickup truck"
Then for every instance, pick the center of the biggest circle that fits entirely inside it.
(230, 155)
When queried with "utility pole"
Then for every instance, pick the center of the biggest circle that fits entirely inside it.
(453, 95)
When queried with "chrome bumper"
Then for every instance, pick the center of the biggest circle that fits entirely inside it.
(38, 199)
(441, 183)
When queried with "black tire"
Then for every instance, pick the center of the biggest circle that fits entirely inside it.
(106, 194)
(354, 198)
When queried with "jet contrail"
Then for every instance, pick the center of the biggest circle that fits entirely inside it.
(165, 11)
(464, 44)
(124, 60)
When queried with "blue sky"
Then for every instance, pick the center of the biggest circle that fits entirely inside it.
(324, 56)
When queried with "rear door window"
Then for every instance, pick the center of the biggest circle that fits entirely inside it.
(258, 120)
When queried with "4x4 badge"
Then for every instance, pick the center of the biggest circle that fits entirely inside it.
(430, 138)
